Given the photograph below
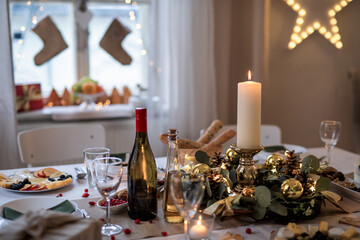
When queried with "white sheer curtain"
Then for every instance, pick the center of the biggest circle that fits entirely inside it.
(9, 157)
(182, 71)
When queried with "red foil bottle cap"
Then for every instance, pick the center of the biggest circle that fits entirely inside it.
(140, 115)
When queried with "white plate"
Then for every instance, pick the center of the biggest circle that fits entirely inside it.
(298, 149)
(35, 203)
(344, 191)
(44, 190)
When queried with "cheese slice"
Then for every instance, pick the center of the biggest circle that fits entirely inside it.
(294, 228)
(324, 227)
(349, 233)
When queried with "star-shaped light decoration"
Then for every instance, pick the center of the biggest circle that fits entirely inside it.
(316, 15)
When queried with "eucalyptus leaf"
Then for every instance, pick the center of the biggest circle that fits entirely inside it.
(232, 175)
(259, 212)
(247, 201)
(237, 200)
(225, 173)
(221, 190)
(238, 207)
(310, 164)
(322, 184)
(207, 187)
(202, 157)
(277, 208)
(210, 202)
(263, 196)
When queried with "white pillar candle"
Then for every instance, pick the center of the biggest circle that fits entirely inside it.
(249, 114)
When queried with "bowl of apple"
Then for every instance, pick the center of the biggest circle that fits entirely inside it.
(88, 90)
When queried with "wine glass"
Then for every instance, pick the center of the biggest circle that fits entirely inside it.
(107, 174)
(329, 134)
(187, 191)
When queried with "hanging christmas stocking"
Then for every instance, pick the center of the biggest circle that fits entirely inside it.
(54, 43)
(111, 42)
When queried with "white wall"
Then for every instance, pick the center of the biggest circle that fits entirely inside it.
(9, 157)
(307, 84)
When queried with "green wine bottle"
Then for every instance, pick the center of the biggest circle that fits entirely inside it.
(142, 175)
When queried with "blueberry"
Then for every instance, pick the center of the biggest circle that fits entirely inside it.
(304, 234)
(26, 181)
(62, 176)
(68, 176)
(51, 179)
(14, 186)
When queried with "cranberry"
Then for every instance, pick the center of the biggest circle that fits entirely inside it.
(127, 231)
(150, 221)
(273, 231)
(85, 195)
(137, 221)
(112, 237)
(59, 195)
(248, 230)
(92, 203)
(164, 234)
(102, 220)
(86, 190)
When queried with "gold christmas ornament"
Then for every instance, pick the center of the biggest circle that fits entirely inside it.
(232, 155)
(201, 168)
(248, 192)
(291, 188)
(274, 160)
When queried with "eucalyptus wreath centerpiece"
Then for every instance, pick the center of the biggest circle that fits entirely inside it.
(286, 188)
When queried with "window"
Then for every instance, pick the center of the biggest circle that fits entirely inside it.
(61, 71)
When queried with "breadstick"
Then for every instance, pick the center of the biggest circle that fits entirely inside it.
(210, 132)
(219, 140)
(182, 143)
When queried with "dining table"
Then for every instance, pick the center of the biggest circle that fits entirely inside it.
(341, 159)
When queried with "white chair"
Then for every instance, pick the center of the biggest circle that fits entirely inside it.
(59, 144)
(270, 135)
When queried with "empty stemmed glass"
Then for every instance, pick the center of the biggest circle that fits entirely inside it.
(107, 174)
(329, 134)
(187, 191)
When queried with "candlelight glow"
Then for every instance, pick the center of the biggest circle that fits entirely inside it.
(249, 75)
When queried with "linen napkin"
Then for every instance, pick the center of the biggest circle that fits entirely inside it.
(51, 225)
(65, 206)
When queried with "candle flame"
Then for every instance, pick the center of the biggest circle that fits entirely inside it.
(249, 75)
(199, 221)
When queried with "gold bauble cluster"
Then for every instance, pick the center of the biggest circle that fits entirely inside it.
(273, 161)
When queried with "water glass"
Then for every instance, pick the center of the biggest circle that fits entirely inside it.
(108, 173)
(90, 154)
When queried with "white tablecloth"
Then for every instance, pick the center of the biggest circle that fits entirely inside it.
(341, 160)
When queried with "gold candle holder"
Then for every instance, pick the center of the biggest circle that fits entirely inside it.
(246, 172)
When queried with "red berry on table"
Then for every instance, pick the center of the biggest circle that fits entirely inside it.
(85, 195)
(164, 234)
(273, 231)
(92, 203)
(102, 220)
(248, 230)
(127, 231)
(137, 221)
(112, 237)
(150, 221)
(86, 190)
(59, 195)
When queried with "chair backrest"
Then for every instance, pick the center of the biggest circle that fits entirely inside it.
(270, 135)
(59, 144)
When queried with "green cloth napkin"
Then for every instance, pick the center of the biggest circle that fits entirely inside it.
(12, 214)
(272, 149)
